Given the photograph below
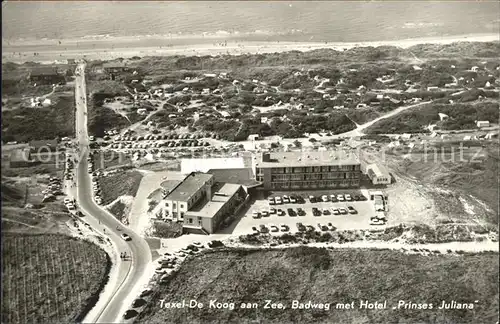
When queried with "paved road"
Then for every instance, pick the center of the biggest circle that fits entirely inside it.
(128, 273)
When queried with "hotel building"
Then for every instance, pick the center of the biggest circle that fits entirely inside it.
(308, 170)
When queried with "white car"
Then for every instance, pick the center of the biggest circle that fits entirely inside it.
(278, 200)
(293, 200)
(126, 237)
(67, 200)
(286, 200)
(340, 197)
(348, 197)
(324, 198)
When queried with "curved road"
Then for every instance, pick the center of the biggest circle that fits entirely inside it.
(127, 273)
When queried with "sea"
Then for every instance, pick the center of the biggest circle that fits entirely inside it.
(301, 21)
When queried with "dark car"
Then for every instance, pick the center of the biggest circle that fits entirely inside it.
(138, 303)
(130, 313)
(351, 210)
(291, 212)
(316, 211)
(301, 227)
(300, 200)
(145, 293)
(301, 212)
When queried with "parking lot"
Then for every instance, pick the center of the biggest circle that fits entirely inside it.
(361, 219)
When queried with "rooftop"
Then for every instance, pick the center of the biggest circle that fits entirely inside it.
(44, 70)
(219, 199)
(110, 65)
(303, 159)
(20, 155)
(43, 143)
(242, 176)
(203, 165)
(378, 170)
(189, 186)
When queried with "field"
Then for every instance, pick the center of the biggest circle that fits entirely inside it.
(462, 191)
(122, 183)
(461, 116)
(49, 278)
(26, 124)
(323, 276)
(109, 159)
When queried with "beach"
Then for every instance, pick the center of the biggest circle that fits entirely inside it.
(106, 48)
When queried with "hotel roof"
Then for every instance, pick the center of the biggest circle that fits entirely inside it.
(203, 165)
(378, 170)
(305, 159)
(189, 186)
(219, 199)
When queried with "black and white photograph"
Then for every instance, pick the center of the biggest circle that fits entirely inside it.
(250, 162)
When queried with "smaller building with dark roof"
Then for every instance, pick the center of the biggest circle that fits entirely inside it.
(41, 146)
(45, 75)
(20, 158)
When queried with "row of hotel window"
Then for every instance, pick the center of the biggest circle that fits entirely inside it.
(315, 169)
(315, 176)
(315, 184)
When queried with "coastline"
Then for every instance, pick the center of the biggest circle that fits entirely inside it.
(50, 51)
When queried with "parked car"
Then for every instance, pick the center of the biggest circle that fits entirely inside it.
(293, 200)
(145, 293)
(274, 228)
(284, 228)
(312, 199)
(264, 213)
(271, 201)
(278, 201)
(301, 212)
(333, 198)
(331, 227)
(342, 210)
(280, 212)
(286, 200)
(126, 237)
(291, 212)
(301, 227)
(130, 313)
(326, 211)
(351, 210)
(335, 211)
(348, 197)
(316, 211)
(340, 197)
(272, 211)
(376, 221)
(263, 228)
(138, 303)
(255, 215)
(324, 198)
(323, 228)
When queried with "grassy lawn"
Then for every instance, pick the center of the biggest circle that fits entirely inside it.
(49, 278)
(119, 184)
(322, 276)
